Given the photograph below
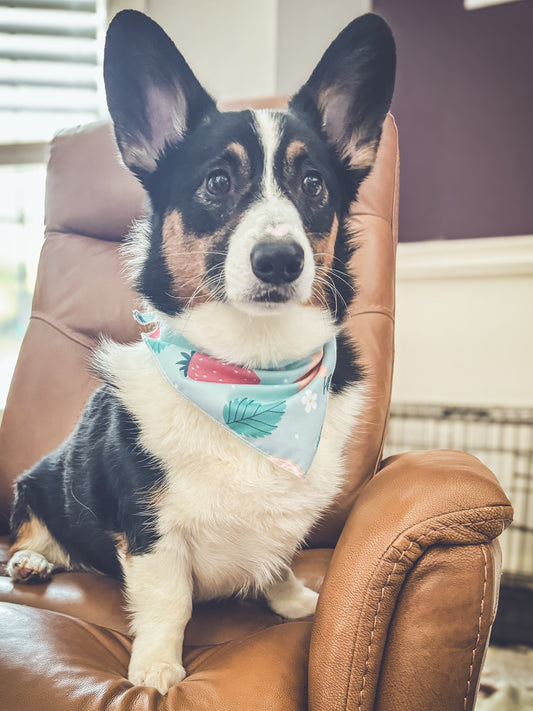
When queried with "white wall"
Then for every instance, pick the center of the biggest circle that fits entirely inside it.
(464, 326)
(305, 29)
(231, 46)
(249, 48)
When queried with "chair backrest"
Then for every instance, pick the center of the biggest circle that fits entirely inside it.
(81, 295)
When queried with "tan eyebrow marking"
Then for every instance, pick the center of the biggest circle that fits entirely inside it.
(240, 151)
(295, 149)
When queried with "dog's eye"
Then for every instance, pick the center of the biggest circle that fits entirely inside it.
(312, 184)
(218, 182)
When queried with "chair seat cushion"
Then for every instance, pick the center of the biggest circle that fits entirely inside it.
(64, 645)
(54, 662)
(98, 599)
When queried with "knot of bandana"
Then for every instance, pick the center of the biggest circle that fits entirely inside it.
(279, 412)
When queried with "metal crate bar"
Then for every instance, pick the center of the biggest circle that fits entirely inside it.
(502, 438)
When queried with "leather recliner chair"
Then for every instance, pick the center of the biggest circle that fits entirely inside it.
(407, 563)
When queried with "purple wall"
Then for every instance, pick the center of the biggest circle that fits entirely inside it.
(464, 107)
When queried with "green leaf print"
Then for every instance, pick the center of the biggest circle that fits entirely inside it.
(249, 418)
(157, 346)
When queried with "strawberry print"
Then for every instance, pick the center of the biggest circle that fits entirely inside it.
(201, 367)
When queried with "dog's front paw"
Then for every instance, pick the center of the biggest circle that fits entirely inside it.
(29, 567)
(299, 602)
(161, 675)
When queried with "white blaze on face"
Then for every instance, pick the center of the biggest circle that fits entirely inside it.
(272, 217)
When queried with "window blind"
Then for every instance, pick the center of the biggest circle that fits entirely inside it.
(50, 66)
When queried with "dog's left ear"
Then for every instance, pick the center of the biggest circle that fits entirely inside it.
(152, 94)
(349, 93)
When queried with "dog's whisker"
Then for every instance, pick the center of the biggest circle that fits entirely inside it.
(208, 281)
(205, 281)
(327, 277)
(326, 281)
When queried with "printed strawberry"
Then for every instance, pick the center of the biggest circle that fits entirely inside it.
(204, 368)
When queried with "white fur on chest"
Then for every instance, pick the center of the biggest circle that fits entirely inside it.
(241, 517)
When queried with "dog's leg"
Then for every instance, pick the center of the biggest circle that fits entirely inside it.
(290, 598)
(159, 592)
(35, 553)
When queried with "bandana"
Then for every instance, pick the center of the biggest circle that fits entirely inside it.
(279, 412)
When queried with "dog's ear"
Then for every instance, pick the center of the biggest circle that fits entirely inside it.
(152, 94)
(349, 93)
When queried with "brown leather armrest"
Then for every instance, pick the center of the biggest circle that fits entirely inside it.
(416, 501)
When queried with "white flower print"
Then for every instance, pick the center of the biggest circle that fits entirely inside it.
(309, 400)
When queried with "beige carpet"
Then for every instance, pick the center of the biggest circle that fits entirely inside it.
(507, 680)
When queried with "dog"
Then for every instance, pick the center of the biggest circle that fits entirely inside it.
(242, 264)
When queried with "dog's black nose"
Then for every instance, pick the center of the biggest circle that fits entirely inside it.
(277, 262)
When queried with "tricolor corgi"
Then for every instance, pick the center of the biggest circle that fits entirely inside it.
(216, 441)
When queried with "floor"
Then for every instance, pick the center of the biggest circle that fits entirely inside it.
(507, 680)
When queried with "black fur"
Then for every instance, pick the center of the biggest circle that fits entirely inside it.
(351, 88)
(155, 280)
(317, 215)
(348, 369)
(342, 186)
(98, 483)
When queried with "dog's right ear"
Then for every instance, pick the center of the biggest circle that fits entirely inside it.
(152, 94)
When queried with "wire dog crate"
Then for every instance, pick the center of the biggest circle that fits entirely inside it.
(502, 438)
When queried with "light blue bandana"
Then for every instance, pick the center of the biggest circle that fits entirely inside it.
(278, 412)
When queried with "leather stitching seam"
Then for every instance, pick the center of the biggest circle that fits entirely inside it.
(374, 310)
(62, 329)
(482, 609)
(404, 553)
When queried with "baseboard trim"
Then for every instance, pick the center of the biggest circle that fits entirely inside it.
(465, 258)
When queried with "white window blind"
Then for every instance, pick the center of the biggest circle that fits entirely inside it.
(50, 66)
